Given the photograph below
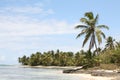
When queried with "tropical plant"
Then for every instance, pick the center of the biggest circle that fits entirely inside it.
(33, 60)
(91, 30)
(117, 45)
(80, 59)
(24, 60)
(110, 43)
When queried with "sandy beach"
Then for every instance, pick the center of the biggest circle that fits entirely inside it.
(89, 77)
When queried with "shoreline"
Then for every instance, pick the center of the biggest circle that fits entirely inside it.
(87, 74)
(49, 67)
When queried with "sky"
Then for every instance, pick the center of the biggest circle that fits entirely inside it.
(30, 26)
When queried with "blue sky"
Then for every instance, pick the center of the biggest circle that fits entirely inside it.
(28, 26)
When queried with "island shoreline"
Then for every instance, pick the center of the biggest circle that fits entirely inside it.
(87, 74)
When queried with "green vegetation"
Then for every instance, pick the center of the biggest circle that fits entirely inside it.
(106, 58)
(58, 58)
(110, 43)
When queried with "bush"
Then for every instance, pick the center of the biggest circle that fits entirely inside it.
(115, 58)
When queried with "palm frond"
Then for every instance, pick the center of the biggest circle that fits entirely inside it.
(86, 38)
(103, 26)
(117, 44)
(81, 26)
(80, 34)
(96, 19)
(84, 20)
(89, 15)
(98, 35)
(103, 35)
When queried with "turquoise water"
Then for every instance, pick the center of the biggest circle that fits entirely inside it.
(19, 73)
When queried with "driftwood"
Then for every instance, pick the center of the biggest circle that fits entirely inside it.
(75, 69)
(72, 70)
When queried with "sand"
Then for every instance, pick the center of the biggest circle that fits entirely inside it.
(89, 77)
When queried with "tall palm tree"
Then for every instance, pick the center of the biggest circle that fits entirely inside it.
(110, 43)
(91, 30)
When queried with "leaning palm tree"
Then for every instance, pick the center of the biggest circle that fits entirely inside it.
(91, 30)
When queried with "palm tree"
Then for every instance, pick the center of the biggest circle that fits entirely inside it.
(117, 44)
(110, 43)
(91, 30)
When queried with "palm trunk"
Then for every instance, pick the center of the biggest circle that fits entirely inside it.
(95, 44)
(96, 47)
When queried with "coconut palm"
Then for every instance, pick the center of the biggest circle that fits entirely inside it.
(91, 30)
(110, 43)
(117, 44)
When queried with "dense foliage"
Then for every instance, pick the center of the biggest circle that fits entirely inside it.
(108, 55)
(58, 58)
(111, 54)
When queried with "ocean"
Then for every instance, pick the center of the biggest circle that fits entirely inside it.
(21, 73)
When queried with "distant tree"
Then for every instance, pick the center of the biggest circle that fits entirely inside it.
(33, 61)
(79, 59)
(19, 60)
(24, 60)
(117, 45)
(38, 57)
(98, 50)
(110, 43)
(58, 58)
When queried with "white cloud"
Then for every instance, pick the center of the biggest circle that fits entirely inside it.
(23, 26)
(26, 9)
(12, 23)
(36, 7)
(15, 29)
(2, 58)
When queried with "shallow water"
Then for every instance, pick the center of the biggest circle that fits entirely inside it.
(19, 73)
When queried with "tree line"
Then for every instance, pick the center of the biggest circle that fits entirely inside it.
(109, 55)
(56, 58)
